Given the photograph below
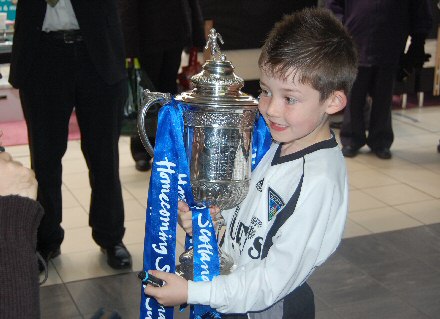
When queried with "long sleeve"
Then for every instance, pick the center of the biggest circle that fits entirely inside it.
(19, 279)
(129, 13)
(315, 234)
(420, 18)
(197, 24)
(308, 237)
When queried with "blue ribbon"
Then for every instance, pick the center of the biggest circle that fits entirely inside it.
(161, 213)
(261, 140)
(170, 182)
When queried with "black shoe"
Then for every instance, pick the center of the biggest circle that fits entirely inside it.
(47, 255)
(349, 151)
(383, 152)
(143, 165)
(118, 256)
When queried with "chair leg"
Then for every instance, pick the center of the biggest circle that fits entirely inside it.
(404, 99)
(420, 98)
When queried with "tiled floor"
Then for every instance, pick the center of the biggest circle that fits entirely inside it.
(388, 265)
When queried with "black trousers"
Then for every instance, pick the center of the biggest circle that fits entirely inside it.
(62, 79)
(377, 82)
(161, 66)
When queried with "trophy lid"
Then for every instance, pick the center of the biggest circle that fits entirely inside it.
(217, 85)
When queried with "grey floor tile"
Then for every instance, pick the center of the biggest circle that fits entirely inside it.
(426, 299)
(320, 305)
(56, 302)
(410, 274)
(122, 312)
(435, 228)
(369, 250)
(327, 314)
(112, 292)
(417, 241)
(339, 282)
(432, 260)
(383, 308)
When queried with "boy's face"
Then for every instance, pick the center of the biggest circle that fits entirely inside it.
(294, 113)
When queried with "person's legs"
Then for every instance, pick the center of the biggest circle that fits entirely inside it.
(380, 133)
(47, 104)
(353, 126)
(99, 113)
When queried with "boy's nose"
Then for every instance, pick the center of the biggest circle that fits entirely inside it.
(273, 108)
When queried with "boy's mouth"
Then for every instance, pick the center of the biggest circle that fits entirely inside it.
(277, 127)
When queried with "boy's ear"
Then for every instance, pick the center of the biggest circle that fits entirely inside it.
(336, 102)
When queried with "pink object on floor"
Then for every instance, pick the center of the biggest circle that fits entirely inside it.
(15, 133)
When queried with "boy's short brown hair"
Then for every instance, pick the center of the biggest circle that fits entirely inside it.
(316, 46)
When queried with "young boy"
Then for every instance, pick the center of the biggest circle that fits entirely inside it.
(293, 217)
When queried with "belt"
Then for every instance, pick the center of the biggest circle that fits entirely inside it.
(66, 36)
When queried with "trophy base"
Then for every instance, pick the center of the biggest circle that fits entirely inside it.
(186, 269)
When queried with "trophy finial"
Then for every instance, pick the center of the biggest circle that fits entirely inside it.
(212, 42)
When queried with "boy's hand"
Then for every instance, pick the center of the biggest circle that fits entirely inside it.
(185, 216)
(175, 291)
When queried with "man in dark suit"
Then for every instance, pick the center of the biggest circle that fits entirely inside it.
(380, 30)
(156, 32)
(69, 54)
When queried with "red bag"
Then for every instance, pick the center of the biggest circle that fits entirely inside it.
(194, 67)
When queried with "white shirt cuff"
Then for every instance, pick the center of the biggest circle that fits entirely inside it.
(199, 292)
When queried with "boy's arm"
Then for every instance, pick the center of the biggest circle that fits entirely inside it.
(420, 17)
(304, 242)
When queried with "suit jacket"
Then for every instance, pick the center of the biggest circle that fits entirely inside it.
(380, 28)
(100, 27)
(163, 24)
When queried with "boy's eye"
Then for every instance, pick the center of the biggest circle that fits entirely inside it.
(291, 100)
(265, 93)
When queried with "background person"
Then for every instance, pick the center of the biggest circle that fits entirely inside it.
(65, 55)
(380, 30)
(157, 32)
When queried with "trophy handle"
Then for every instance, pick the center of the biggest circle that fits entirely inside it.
(149, 98)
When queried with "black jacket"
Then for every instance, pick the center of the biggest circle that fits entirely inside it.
(380, 28)
(100, 27)
(162, 24)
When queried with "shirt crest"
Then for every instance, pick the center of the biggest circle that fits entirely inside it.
(259, 185)
(275, 204)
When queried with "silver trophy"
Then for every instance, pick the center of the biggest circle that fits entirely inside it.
(218, 126)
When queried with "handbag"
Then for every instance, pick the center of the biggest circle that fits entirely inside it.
(193, 67)
(137, 82)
